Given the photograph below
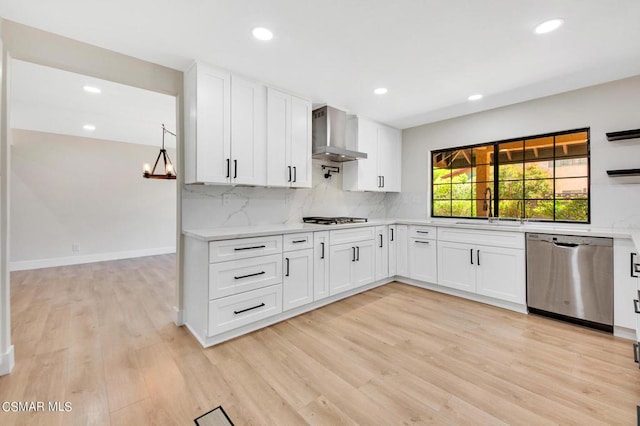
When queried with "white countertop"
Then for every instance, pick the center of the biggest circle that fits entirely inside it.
(215, 234)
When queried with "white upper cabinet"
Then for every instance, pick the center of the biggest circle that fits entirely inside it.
(207, 93)
(381, 170)
(288, 140)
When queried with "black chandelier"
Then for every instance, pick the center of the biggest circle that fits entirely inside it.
(169, 170)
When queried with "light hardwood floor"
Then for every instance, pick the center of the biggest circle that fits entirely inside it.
(101, 336)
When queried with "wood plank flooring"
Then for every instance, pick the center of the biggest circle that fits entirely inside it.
(101, 336)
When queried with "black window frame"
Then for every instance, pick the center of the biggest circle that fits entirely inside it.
(496, 180)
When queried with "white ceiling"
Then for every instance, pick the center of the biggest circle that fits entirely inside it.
(50, 100)
(430, 54)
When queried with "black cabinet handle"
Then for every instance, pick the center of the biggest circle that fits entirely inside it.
(635, 352)
(228, 167)
(322, 252)
(295, 174)
(423, 242)
(379, 181)
(422, 232)
(289, 167)
(249, 309)
(235, 169)
(633, 274)
(391, 234)
(471, 254)
(478, 256)
(635, 306)
(353, 258)
(249, 275)
(358, 253)
(298, 241)
(249, 248)
(381, 240)
(287, 260)
(383, 181)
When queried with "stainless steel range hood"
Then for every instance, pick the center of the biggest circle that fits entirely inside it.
(330, 136)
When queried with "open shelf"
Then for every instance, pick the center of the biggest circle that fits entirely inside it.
(624, 172)
(622, 135)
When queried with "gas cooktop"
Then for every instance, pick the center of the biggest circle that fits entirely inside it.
(333, 220)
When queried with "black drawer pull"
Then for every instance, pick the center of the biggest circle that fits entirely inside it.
(249, 309)
(250, 275)
(287, 273)
(635, 306)
(358, 253)
(471, 255)
(422, 232)
(423, 242)
(353, 257)
(478, 256)
(298, 241)
(633, 270)
(635, 352)
(249, 248)
(322, 254)
(381, 237)
(391, 234)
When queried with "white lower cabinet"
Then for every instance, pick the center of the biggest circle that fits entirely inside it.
(241, 309)
(320, 265)
(382, 253)
(352, 265)
(423, 260)
(625, 283)
(297, 282)
(402, 246)
(496, 272)
(393, 250)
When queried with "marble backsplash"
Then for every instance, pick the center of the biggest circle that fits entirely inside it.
(210, 206)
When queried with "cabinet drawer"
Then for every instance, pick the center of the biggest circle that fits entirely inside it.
(488, 238)
(300, 241)
(423, 232)
(227, 278)
(220, 251)
(235, 311)
(342, 236)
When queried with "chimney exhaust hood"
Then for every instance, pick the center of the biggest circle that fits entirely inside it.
(329, 135)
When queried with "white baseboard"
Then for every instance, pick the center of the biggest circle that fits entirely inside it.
(24, 265)
(625, 333)
(7, 361)
(178, 318)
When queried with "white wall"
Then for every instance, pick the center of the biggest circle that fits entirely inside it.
(68, 190)
(615, 203)
(216, 206)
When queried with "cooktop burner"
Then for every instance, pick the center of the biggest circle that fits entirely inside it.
(333, 220)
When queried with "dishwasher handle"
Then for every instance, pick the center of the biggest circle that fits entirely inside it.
(566, 245)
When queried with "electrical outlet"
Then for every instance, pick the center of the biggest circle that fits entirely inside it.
(75, 248)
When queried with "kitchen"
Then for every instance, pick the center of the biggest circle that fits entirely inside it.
(603, 108)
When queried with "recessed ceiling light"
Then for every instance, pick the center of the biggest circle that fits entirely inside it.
(91, 89)
(89, 127)
(548, 26)
(475, 97)
(380, 91)
(262, 34)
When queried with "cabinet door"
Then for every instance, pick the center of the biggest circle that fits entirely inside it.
(393, 250)
(423, 260)
(297, 283)
(500, 273)
(625, 284)
(363, 269)
(248, 132)
(300, 150)
(278, 137)
(213, 124)
(320, 265)
(457, 266)
(341, 257)
(402, 258)
(368, 176)
(382, 253)
(390, 158)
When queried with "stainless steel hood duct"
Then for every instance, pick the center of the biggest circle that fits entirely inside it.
(330, 136)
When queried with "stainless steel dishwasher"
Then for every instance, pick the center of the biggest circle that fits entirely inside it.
(571, 278)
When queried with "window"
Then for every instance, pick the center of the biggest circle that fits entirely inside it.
(542, 177)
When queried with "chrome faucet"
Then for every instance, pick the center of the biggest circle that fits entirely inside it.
(487, 206)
